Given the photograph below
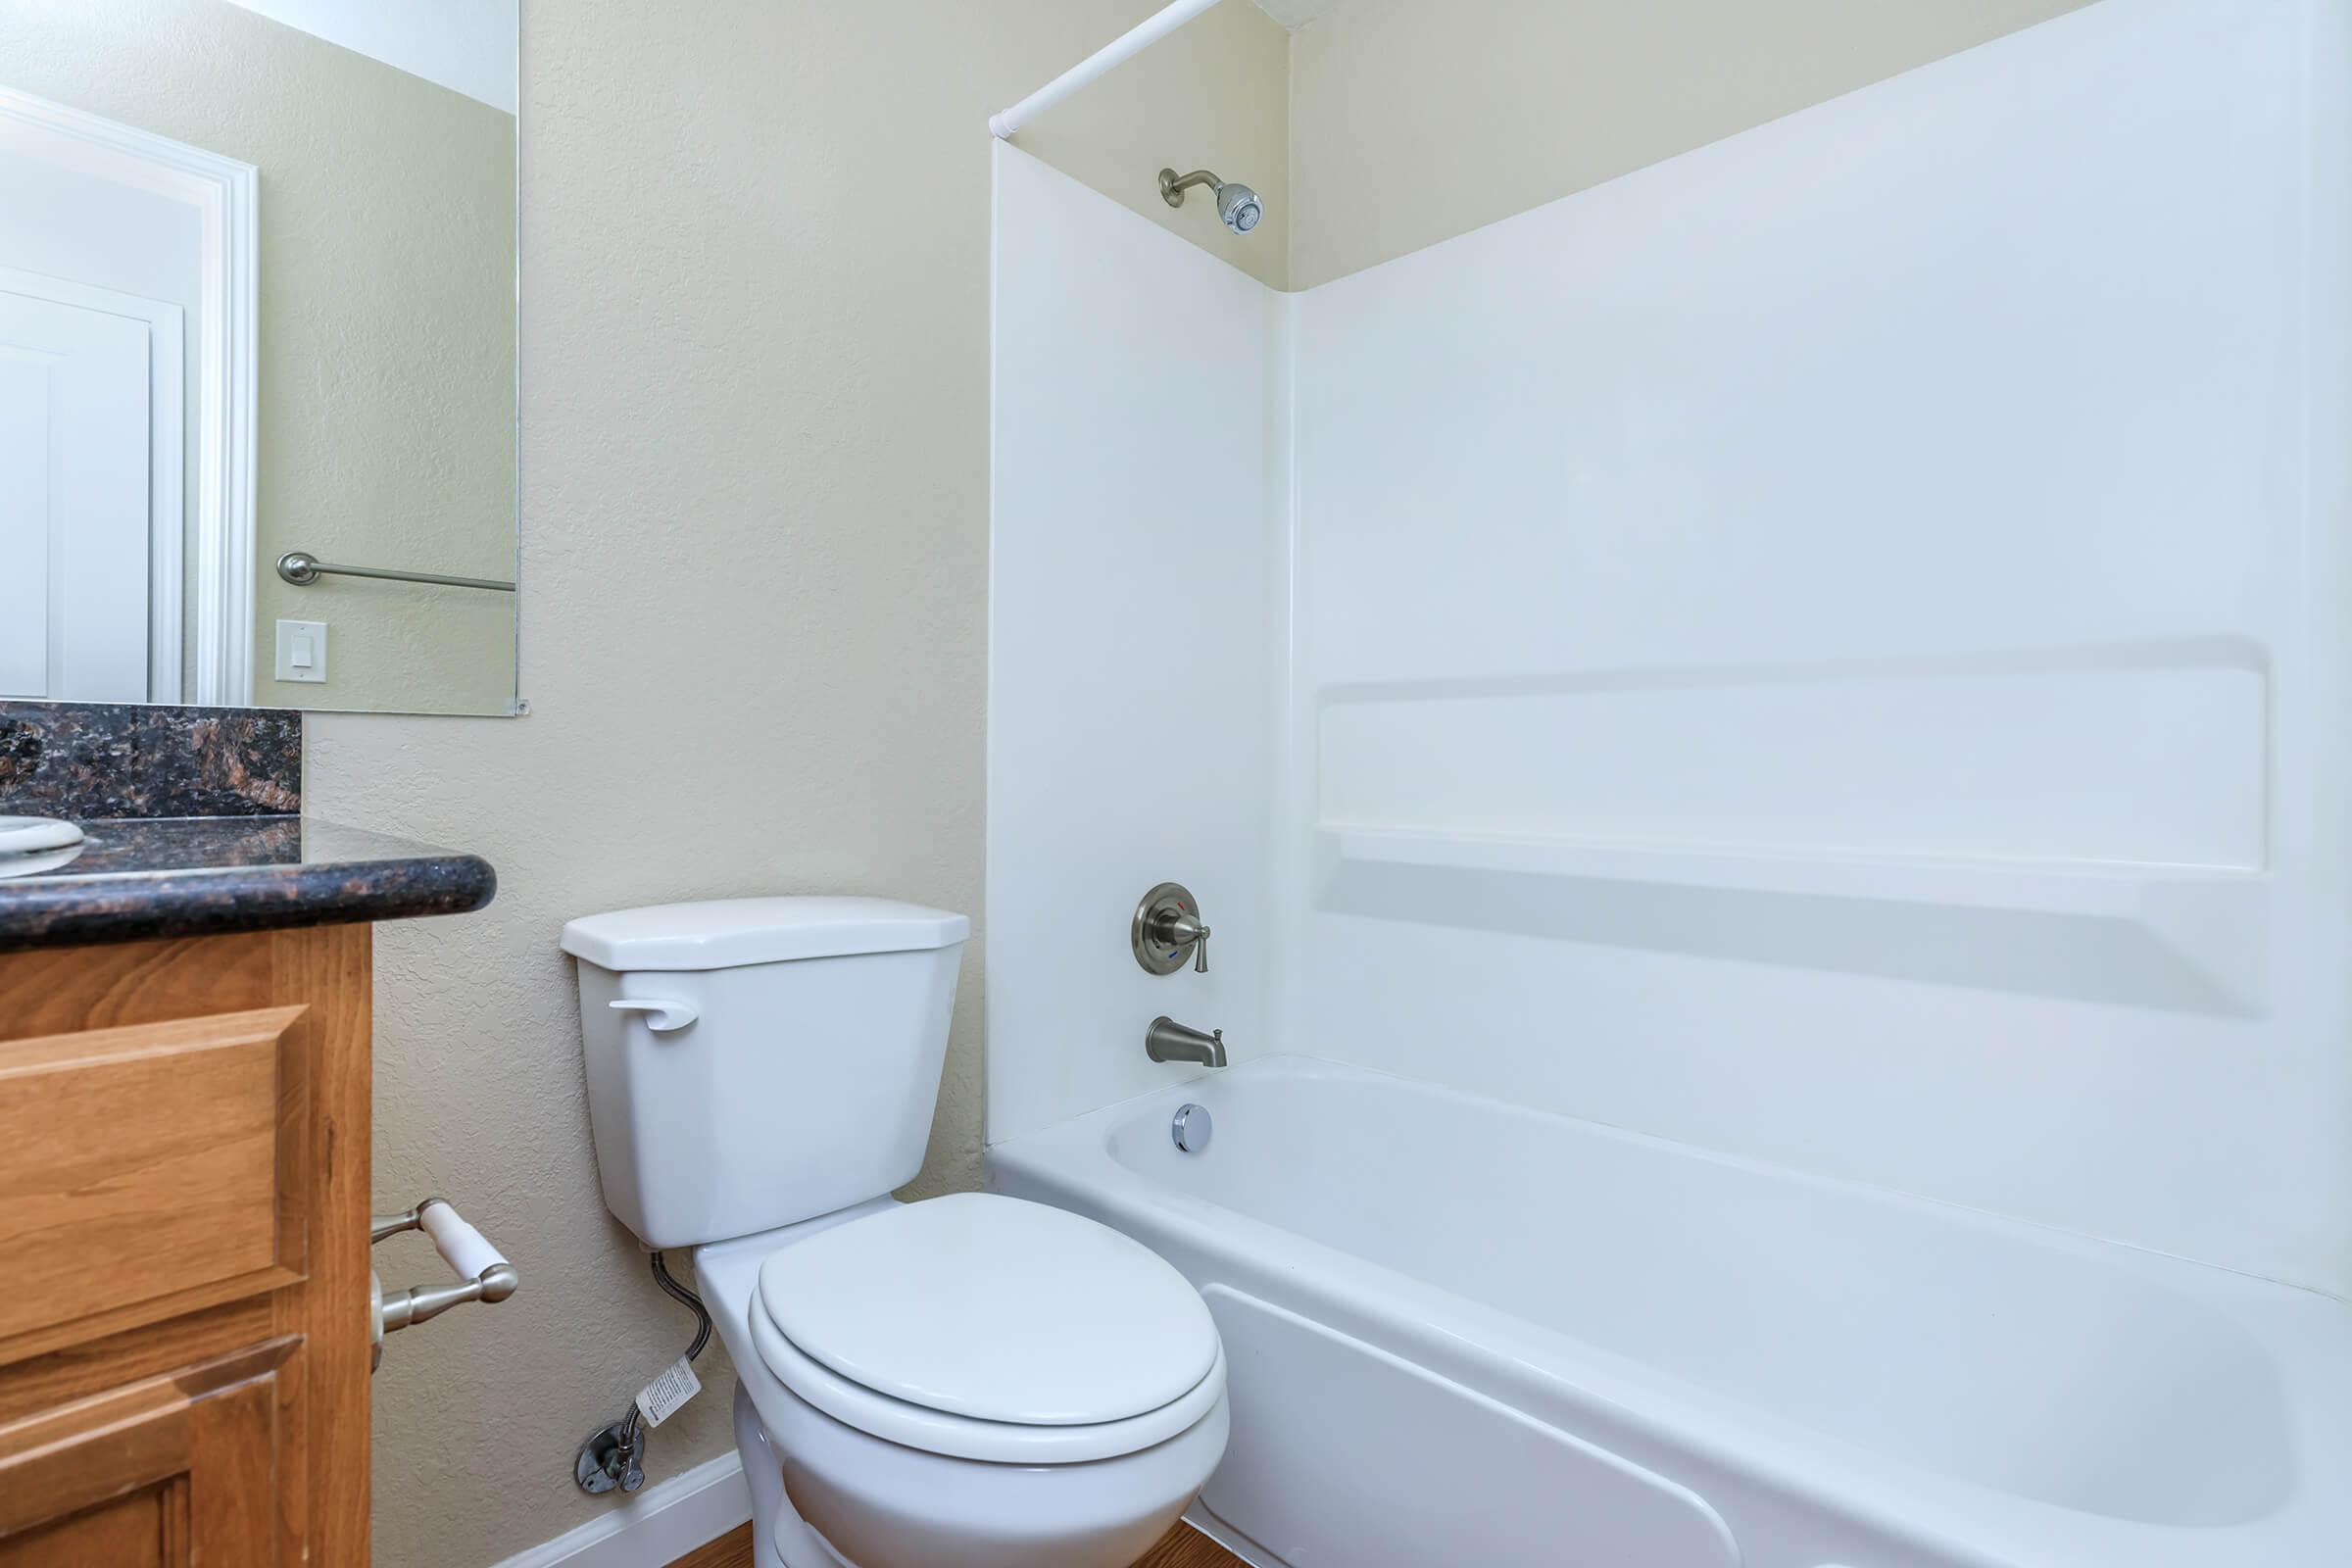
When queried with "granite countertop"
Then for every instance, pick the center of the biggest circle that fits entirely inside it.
(137, 878)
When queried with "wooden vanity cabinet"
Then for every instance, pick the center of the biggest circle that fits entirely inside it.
(184, 1252)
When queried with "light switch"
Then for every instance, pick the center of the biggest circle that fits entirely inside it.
(302, 650)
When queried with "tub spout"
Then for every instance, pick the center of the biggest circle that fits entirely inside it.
(1169, 1040)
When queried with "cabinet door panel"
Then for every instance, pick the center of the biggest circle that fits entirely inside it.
(145, 1161)
(172, 1472)
(184, 1142)
(148, 1529)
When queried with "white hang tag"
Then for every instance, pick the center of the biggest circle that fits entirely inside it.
(660, 1400)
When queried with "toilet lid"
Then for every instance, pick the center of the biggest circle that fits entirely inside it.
(994, 1309)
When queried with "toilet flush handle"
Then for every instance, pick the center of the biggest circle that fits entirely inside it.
(661, 1015)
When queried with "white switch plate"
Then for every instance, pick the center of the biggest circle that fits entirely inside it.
(302, 650)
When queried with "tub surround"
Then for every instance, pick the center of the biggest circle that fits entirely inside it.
(190, 824)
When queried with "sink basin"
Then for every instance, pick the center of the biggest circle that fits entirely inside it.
(23, 835)
(30, 843)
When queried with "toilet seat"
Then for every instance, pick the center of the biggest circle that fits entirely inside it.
(981, 1327)
(956, 1436)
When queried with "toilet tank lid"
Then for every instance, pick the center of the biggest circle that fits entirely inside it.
(728, 933)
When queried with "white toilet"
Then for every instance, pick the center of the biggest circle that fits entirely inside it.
(969, 1382)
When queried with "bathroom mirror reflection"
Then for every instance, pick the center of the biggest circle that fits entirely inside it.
(258, 302)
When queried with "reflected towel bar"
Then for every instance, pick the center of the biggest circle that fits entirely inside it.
(302, 568)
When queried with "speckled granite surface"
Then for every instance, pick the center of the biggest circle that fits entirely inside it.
(199, 876)
(189, 817)
(110, 760)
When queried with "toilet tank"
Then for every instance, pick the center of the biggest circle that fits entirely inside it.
(771, 1059)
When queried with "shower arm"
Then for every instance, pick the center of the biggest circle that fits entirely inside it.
(1173, 185)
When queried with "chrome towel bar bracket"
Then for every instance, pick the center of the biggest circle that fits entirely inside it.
(302, 568)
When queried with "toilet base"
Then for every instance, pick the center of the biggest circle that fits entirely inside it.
(894, 1507)
(774, 1521)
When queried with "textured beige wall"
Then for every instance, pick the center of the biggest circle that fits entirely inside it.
(387, 323)
(1414, 121)
(754, 498)
(1223, 78)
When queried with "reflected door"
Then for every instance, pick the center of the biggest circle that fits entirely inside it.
(75, 442)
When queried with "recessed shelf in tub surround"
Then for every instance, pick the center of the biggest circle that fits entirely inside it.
(191, 827)
(2182, 937)
(2077, 887)
(2086, 820)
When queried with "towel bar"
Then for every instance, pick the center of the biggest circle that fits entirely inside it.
(302, 568)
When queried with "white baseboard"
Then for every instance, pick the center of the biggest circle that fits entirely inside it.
(658, 1526)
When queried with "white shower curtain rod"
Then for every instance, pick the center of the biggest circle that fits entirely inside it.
(1129, 44)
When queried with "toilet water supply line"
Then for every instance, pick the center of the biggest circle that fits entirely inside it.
(613, 1456)
(1120, 49)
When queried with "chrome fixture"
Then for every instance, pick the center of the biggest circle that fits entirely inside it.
(1192, 1129)
(661, 1014)
(483, 1273)
(613, 1456)
(1237, 204)
(1169, 1040)
(1167, 930)
(302, 568)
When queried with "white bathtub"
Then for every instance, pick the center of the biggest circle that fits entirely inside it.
(1462, 1333)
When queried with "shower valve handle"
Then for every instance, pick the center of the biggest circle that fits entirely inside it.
(1167, 929)
(1186, 931)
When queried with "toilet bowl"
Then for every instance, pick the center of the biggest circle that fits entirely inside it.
(1088, 1472)
(968, 1382)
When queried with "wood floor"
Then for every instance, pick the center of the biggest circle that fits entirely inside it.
(1182, 1547)
(730, 1551)
(1187, 1547)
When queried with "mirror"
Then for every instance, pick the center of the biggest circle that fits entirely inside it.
(258, 302)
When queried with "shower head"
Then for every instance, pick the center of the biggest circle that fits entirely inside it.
(1240, 207)
(1237, 204)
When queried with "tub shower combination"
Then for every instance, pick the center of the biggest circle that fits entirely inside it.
(1765, 742)
(1457, 1332)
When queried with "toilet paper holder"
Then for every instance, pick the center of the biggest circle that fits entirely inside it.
(482, 1270)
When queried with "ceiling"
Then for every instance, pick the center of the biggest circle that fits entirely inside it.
(1295, 14)
(465, 45)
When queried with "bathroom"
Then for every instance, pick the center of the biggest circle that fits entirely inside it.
(1707, 658)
